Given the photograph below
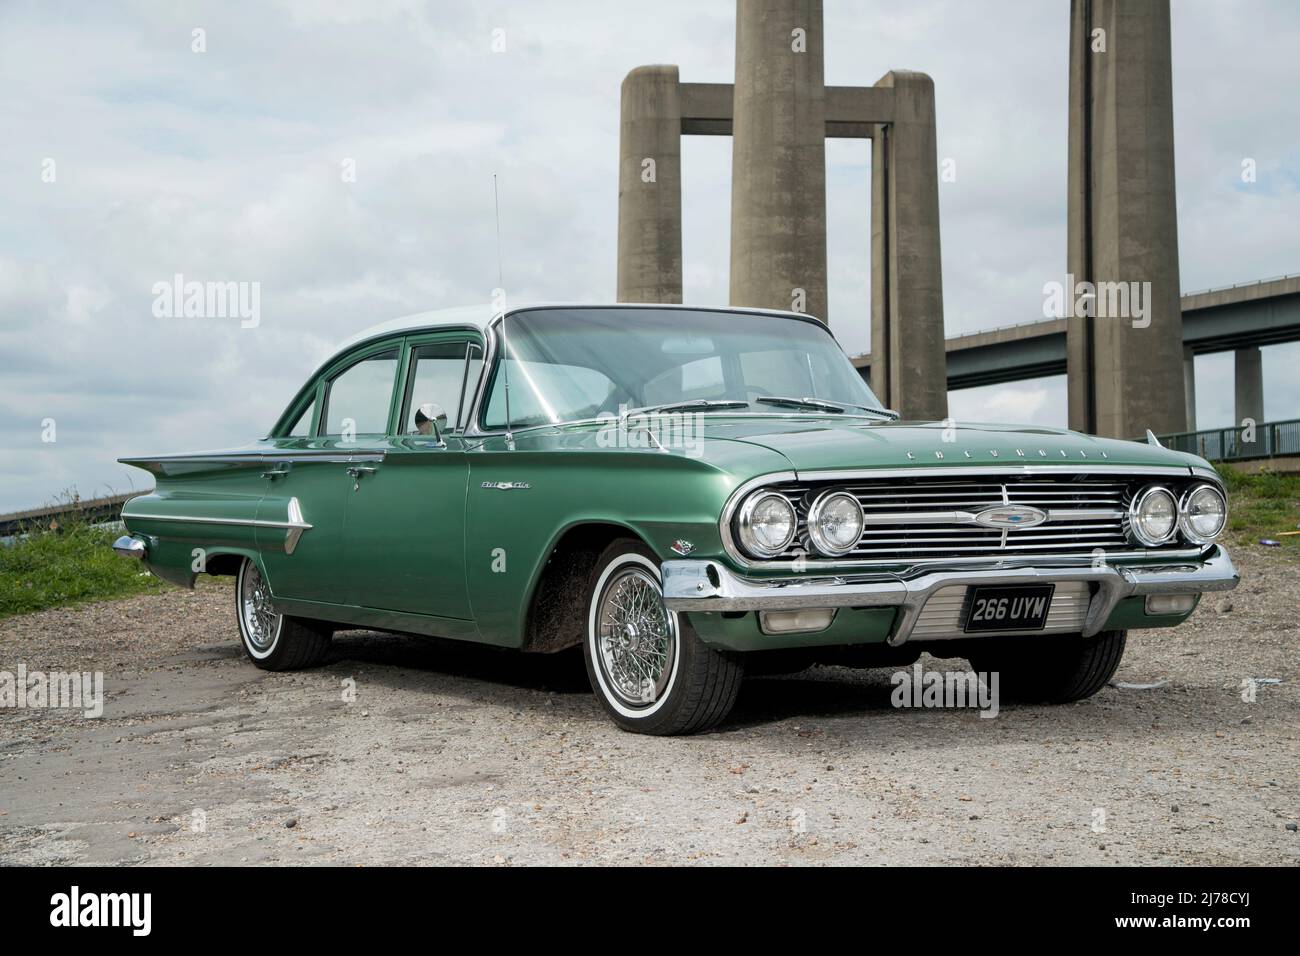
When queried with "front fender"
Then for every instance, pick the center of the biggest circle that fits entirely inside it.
(519, 505)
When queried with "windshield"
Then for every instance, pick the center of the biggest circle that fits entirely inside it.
(580, 363)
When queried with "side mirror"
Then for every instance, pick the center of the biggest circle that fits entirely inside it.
(436, 419)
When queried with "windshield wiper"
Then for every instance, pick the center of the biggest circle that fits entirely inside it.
(694, 404)
(813, 403)
(821, 405)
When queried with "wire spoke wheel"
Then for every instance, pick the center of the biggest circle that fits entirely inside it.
(261, 622)
(637, 637)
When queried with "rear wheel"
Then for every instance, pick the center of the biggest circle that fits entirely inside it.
(647, 667)
(271, 640)
(1053, 670)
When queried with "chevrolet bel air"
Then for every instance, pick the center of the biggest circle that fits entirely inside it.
(686, 493)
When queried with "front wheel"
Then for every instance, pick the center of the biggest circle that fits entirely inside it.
(647, 667)
(271, 640)
(1054, 670)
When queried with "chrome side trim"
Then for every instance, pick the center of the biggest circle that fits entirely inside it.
(294, 525)
(243, 522)
(260, 458)
(706, 585)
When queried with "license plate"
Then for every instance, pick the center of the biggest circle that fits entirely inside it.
(1020, 608)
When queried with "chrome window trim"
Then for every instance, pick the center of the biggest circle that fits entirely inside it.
(490, 339)
(396, 337)
(729, 545)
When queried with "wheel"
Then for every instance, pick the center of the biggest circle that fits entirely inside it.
(647, 667)
(1056, 670)
(273, 641)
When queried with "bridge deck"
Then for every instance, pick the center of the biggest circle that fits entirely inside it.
(1216, 320)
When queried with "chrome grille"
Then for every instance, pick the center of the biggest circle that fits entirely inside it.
(944, 615)
(935, 518)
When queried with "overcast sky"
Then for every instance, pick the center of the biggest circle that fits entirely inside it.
(228, 165)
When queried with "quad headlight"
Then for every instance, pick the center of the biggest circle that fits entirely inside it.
(835, 523)
(1202, 514)
(766, 524)
(1153, 516)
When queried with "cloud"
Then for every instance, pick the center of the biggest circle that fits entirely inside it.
(226, 165)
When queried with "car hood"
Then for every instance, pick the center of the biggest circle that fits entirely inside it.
(822, 445)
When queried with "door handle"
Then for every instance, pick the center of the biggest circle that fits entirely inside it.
(356, 471)
(275, 473)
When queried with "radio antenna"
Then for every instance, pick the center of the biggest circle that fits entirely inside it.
(496, 211)
(501, 289)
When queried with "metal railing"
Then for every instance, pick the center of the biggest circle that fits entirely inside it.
(108, 508)
(1271, 440)
(1242, 285)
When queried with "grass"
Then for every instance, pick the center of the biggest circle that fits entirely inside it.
(74, 564)
(1262, 506)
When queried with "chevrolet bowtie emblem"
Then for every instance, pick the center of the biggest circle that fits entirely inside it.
(1011, 516)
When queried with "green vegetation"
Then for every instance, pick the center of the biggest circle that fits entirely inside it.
(1262, 506)
(73, 564)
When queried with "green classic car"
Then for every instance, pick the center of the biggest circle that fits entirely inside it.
(686, 493)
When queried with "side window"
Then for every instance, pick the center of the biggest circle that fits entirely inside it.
(441, 373)
(357, 399)
(303, 428)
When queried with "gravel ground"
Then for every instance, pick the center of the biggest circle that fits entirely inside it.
(459, 754)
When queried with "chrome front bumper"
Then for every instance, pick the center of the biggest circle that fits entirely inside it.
(706, 585)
